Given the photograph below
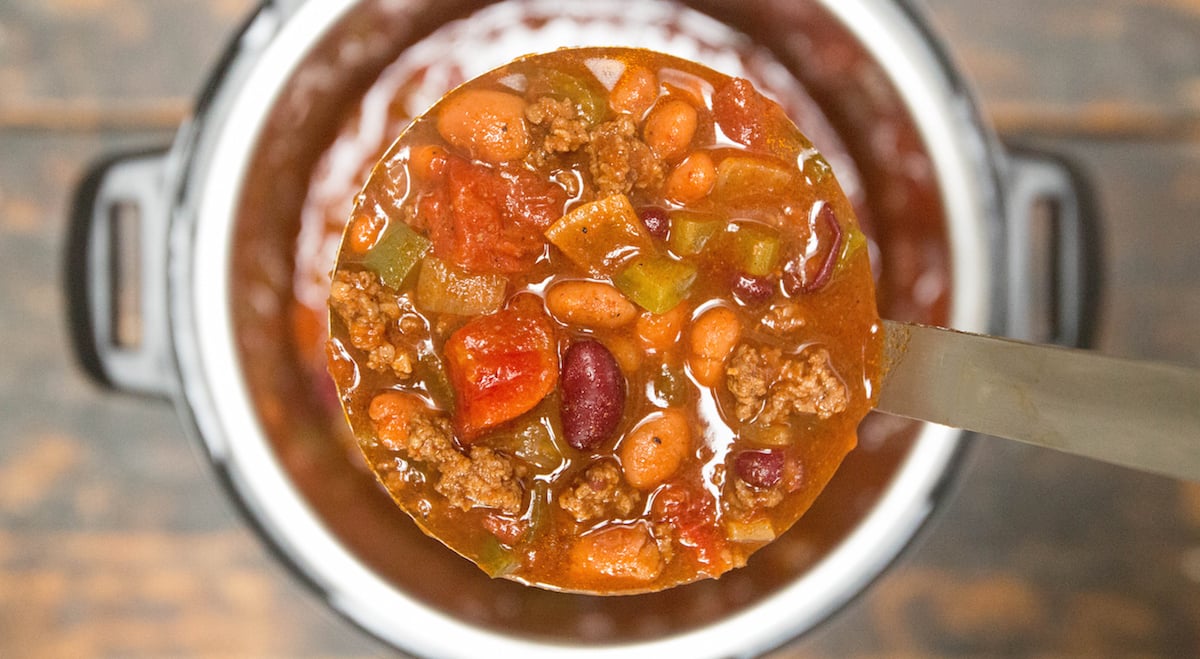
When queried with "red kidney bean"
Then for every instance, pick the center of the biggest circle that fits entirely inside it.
(808, 273)
(753, 290)
(593, 394)
(657, 222)
(759, 468)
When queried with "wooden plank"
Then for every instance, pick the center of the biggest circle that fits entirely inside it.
(1115, 68)
(1080, 67)
(108, 62)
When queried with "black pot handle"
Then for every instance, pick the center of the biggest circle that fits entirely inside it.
(115, 275)
(1053, 254)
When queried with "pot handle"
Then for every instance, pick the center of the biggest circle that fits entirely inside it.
(116, 275)
(1052, 255)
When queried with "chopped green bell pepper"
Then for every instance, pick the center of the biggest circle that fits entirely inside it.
(656, 284)
(396, 253)
(756, 248)
(443, 289)
(691, 231)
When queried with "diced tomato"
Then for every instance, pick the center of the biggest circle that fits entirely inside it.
(501, 365)
(692, 514)
(747, 117)
(486, 220)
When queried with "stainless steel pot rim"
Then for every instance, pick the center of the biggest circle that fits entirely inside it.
(215, 152)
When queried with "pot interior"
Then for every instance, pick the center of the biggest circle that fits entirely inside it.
(348, 99)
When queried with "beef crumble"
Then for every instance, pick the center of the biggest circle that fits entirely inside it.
(377, 320)
(765, 383)
(599, 492)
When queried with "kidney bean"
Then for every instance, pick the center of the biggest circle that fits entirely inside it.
(808, 273)
(759, 468)
(753, 290)
(593, 394)
(657, 222)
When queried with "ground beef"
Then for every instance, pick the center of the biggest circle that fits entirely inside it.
(744, 499)
(483, 479)
(564, 130)
(599, 493)
(765, 383)
(377, 320)
(619, 161)
(748, 376)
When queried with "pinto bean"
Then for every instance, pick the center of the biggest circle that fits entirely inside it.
(593, 394)
(635, 91)
(390, 412)
(626, 351)
(590, 303)
(691, 180)
(714, 335)
(428, 161)
(669, 129)
(660, 331)
(488, 125)
(365, 230)
(653, 450)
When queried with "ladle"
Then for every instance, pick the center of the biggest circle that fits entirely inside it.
(1131, 413)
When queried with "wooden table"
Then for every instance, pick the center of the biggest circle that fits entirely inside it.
(116, 541)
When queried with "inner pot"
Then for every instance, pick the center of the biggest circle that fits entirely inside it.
(312, 95)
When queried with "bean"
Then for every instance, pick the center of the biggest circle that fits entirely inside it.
(390, 412)
(691, 180)
(714, 335)
(669, 129)
(660, 332)
(627, 551)
(627, 353)
(657, 221)
(635, 91)
(593, 394)
(364, 232)
(761, 469)
(428, 161)
(489, 125)
(808, 273)
(590, 303)
(653, 450)
(753, 290)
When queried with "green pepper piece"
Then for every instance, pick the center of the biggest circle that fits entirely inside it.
(757, 248)
(396, 253)
(656, 284)
(495, 559)
(437, 382)
(587, 95)
(443, 289)
(691, 231)
(669, 386)
(854, 241)
(540, 519)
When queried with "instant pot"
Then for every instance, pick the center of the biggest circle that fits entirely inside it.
(218, 236)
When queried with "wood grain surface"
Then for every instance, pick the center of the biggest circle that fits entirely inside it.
(116, 540)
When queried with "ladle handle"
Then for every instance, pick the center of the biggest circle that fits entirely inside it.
(1131, 413)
